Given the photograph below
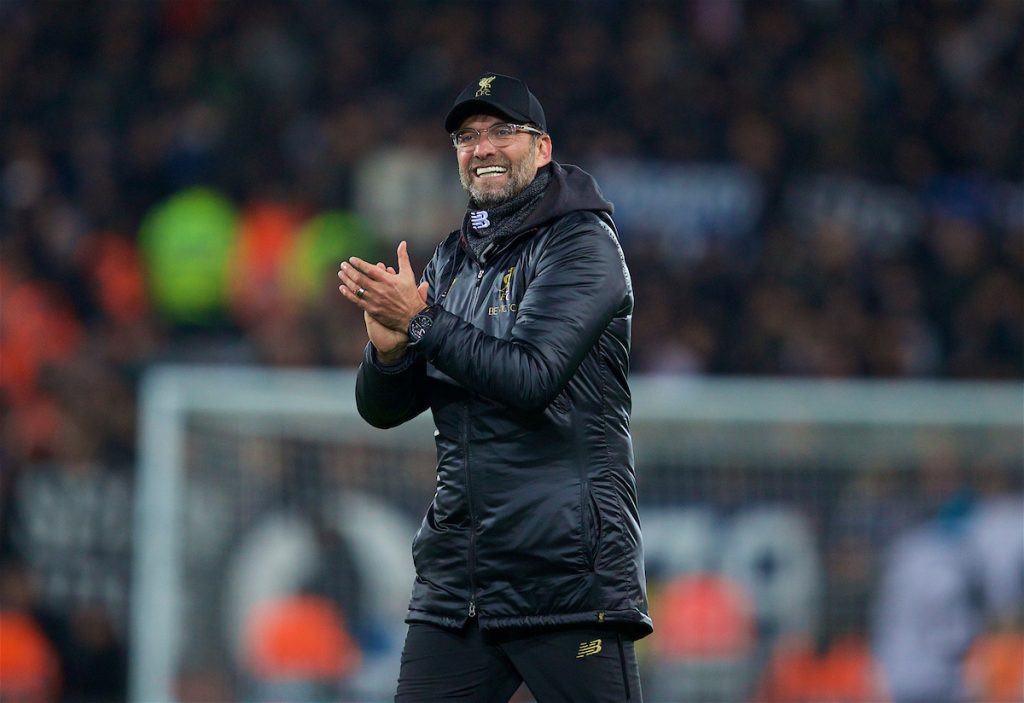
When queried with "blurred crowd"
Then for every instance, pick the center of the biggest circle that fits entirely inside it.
(179, 178)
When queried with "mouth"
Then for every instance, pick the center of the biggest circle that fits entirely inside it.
(489, 171)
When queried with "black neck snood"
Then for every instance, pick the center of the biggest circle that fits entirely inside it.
(484, 230)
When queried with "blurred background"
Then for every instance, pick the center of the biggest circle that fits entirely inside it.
(822, 206)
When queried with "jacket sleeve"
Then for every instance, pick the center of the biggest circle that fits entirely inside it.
(387, 396)
(580, 284)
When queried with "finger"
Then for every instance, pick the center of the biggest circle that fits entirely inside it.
(352, 297)
(352, 268)
(352, 277)
(423, 289)
(365, 268)
(345, 272)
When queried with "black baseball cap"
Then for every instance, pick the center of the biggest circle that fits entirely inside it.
(495, 94)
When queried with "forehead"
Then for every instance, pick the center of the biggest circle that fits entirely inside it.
(480, 121)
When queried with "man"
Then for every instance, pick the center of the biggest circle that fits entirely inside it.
(529, 561)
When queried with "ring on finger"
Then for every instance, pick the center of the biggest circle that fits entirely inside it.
(360, 293)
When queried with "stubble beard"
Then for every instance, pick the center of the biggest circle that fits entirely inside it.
(520, 174)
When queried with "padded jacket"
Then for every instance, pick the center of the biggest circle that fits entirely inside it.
(534, 521)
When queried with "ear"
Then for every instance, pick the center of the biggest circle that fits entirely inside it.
(543, 150)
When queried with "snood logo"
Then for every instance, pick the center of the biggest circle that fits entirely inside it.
(479, 219)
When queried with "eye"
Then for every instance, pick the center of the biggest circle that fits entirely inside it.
(503, 131)
(465, 136)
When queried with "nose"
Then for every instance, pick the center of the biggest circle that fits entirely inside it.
(484, 148)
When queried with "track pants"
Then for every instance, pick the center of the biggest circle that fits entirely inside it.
(583, 664)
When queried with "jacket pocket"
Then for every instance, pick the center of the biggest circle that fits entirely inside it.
(591, 526)
(561, 402)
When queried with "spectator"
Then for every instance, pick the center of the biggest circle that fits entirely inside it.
(928, 612)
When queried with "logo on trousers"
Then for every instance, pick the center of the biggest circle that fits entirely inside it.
(588, 648)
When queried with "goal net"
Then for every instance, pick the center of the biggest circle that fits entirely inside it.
(273, 526)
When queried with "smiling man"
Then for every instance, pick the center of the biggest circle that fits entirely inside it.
(491, 176)
(529, 561)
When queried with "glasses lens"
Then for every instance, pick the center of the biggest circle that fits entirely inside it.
(465, 137)
(501, 134)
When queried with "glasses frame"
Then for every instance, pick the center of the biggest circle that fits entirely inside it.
(487, 130)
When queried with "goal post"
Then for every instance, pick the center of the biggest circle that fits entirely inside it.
(257, 482)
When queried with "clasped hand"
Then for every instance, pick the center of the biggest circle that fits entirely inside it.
(388, 299)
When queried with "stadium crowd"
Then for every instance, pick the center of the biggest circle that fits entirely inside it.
(883, 140)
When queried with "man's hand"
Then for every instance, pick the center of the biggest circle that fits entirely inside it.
(389, 342)
(390, 345)
(391, 298)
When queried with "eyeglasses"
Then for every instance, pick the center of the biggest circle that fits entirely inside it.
(500, 134)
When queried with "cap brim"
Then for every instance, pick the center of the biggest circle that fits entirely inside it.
(479, 107)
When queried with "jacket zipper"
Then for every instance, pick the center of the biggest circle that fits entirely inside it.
(476, 288)
(469, 481)
(472, 515)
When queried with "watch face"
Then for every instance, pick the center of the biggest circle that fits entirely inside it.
(418, 326)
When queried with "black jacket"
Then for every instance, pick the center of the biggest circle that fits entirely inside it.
(534, 521)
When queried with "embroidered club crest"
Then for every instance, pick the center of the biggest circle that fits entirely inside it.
(485, 86)
(506, 283)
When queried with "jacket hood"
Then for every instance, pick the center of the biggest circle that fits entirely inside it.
(571, 189)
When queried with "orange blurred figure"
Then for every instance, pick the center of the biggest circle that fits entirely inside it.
(704, 616)
(994, 668)
(845, 673)
(299, 637)
(29, 667)
(118, 280)
(266, 238)
(702, 651)
(37, 326)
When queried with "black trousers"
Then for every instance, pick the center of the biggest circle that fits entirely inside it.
(565, 665)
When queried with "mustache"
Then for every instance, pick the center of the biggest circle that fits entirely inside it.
(478, 162)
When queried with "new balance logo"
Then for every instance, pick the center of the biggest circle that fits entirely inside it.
(588, 648)
(478, 218)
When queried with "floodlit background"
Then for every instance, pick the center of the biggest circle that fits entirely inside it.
(822, 206)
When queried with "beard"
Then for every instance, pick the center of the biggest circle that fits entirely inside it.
(519, 175)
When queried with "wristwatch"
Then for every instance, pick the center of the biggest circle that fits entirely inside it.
(420, 324)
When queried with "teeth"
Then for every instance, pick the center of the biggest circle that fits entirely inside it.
(490, 170)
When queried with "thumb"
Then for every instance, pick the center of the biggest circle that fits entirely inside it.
(422, 290)
(404, 265)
